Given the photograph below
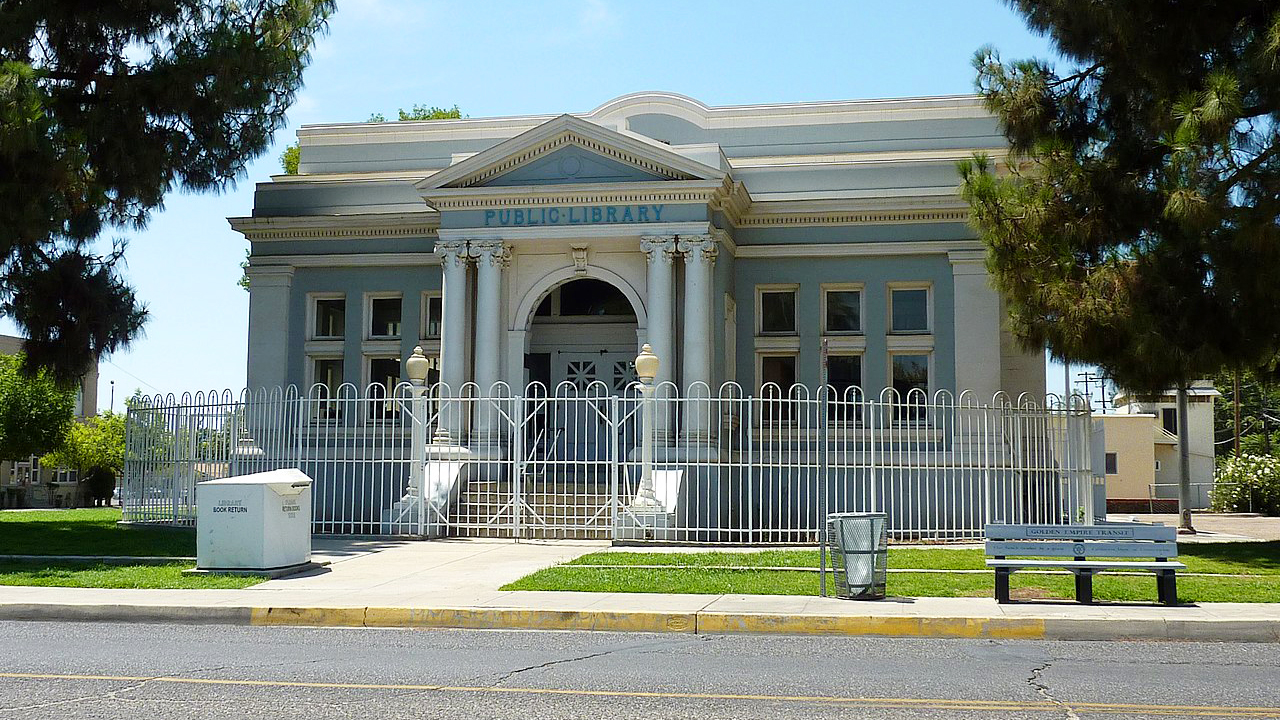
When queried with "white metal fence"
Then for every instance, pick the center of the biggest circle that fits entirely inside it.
(566, 462)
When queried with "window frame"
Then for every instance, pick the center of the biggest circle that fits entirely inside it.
(761, 355)
(890, 288)
(369, 299)
(1111, 463)
(424, 315)
(928, 354)
(313, 315)
(824, 320)
(794, 289)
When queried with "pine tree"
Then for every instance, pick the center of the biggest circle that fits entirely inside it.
(105, 107)
(1134, 226)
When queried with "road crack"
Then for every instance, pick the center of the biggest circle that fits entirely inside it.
(563, 661)
(1043, 690)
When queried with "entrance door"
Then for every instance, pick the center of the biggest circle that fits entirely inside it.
(616, 370)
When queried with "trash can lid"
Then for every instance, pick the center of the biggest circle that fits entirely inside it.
(857, 515)
(287, 481)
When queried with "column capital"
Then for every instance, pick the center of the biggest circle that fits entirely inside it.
(495, 252)
(658, 247)
(451, 252)
(701, 247)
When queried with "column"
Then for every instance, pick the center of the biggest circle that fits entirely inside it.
(660, 251)
(491, 257)
(977, 326)
(269, 288)
(699, 258)
(453, 370)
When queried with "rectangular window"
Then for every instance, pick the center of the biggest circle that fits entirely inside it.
(331, 318)
(384, 317)
(781, 371)
(432, 316)
(1169, 420)
(843, 373)
(844, 311)
(326, 372)
(909, 309)
(911, 373)
(384, 375)
(1111, 464)
(1157, 466)
(778, 312)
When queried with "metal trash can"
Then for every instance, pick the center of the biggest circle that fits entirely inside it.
(860, 554)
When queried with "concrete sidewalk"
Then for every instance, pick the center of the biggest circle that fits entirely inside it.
(455, 584)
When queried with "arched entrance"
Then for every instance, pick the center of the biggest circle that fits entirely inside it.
(583, 331)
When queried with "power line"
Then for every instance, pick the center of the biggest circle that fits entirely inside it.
(135, 377)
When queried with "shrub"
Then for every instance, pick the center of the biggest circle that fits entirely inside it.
(1248, 483)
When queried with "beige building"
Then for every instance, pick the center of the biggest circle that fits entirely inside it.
(23, 483)
(1141, 442)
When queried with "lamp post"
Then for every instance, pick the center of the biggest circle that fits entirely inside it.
(646, 370)
(416, 367)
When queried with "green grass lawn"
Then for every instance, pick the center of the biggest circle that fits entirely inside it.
(99, 575)
(691, 573)
(87, 531)
(93, 531)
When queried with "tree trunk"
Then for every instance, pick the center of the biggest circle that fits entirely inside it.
(1184, 463)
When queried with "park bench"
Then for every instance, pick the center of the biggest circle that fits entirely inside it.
(1079, 544)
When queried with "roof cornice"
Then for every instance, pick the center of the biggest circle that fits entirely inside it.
(338, 227)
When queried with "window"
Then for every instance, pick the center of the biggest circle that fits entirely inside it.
(909, 310)
(781, 371)
(1111, 464)
(1157, 466)
(1169, 420)
(432, 315)
(330, 318)
(384, 375)
(911, 373)
(593, 297)
(328, 373)
(778, 312)
(843, 372)
(843, 311)
(384, 317)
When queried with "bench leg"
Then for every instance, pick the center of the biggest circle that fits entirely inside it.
(1002, 585)
(1084, 587)
(1167, 587)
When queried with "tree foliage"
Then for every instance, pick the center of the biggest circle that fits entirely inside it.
(422, 112)
(1259, 414)
(98, 442)
(35, 410)
(289, 159)
(1136, 225)
(105, 107)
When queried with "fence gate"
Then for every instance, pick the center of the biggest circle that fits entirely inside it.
(550, 469)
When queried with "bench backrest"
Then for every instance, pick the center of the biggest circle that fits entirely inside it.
(1109, 540)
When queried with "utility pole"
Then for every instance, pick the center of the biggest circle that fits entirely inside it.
(1235, 402)
(1184, 465)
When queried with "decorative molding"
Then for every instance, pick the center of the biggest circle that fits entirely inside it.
(495, 252)
(657, 247)
(630, 193)
(341, 227)
(875, 217)
(560, 233)
(566, 139)
(700, 247)
(578, 253)
(454, 251)
(424, 259)
(860, 249)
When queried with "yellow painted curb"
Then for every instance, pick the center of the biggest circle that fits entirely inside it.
(313, 617)
(496, 618)
(1000, 628)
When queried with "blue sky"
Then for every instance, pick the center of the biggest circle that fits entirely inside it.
(509, 58)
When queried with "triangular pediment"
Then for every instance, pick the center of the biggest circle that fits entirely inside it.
(569, 150)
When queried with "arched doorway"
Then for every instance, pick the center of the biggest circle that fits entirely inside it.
(583, 331)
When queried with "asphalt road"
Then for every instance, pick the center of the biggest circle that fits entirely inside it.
(74, 670)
